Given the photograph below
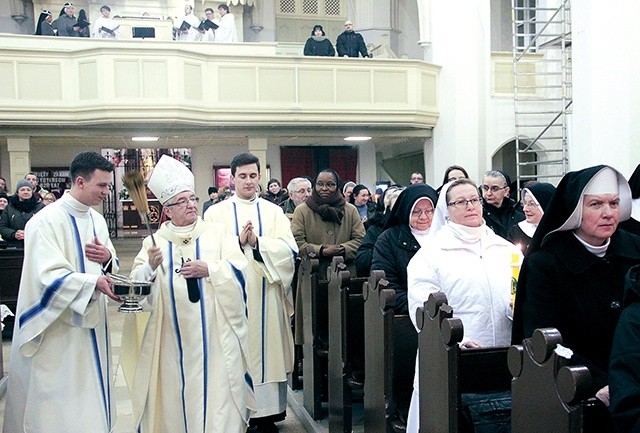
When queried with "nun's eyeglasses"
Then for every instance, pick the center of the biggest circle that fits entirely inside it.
(419, 212)
(462, 204)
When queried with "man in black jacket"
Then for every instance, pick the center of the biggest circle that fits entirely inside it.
(350, 43)
(500, 212)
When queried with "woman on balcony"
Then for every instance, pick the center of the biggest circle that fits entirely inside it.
(318, 44)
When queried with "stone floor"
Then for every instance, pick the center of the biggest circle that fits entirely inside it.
(127, 249)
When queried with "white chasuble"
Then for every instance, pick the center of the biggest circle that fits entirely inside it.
(61, 371)
(189, 372)
(269, 294)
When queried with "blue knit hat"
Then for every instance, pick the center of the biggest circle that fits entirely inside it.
(23, 183)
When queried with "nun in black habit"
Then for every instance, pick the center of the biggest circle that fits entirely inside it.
(536, 197)
(44, 26)
(400, 240)
(573, 276)
(633, 224)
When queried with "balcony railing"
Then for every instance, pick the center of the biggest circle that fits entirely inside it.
(78, 82)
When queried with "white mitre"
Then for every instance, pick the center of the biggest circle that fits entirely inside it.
(169, 178)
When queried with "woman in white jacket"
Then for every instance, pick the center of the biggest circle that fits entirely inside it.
(469, 263)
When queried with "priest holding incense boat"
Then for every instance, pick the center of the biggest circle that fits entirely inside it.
(186, 365)
(61, 369)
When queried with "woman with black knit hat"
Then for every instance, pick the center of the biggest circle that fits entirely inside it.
(535, 199)
(22, 206)
(573, 276)
(318, 44)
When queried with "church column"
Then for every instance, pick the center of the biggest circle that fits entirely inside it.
(258, 147)
(375, 21)
(19, 158)
(424, 21)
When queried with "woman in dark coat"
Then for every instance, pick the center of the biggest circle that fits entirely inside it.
(22, 206)
(275, 194)
(535, 200)
(573, 276)
(406, 228)
(376, 227)
(318, 44)
(624, 368)
(633, 224)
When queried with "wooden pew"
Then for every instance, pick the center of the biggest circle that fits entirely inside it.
(546, 389)
(346, 341)
(11, 265)
(295, 378)
(313, 292)
(390, 347)
(446, 371)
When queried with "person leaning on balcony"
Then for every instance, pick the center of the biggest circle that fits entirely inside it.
(318, 44)
(44, 27)
(66, 24)
(350, 43)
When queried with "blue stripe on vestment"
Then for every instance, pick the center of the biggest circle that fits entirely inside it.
(176, 326)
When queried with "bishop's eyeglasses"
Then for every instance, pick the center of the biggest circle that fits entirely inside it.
(184, 202)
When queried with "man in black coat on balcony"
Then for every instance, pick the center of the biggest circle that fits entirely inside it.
(350, 43)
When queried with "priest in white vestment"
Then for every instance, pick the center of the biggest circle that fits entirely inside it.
(187, 365)
(226, 31)
(264, 233)
(192, 33)
(60, 375)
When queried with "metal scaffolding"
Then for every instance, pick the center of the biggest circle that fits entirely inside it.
(542, 88)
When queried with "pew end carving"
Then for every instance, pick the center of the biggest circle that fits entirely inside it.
(312, 289)
(447, 371)
(390, 345)
(545, 387)
(346, 342)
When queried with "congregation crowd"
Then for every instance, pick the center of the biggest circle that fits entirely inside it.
(215, 351)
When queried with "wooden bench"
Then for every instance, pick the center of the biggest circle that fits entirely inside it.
(390, 347)
(313, 293)
(346, 342)
(11, 265)
(447, 371)
(546, 389)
